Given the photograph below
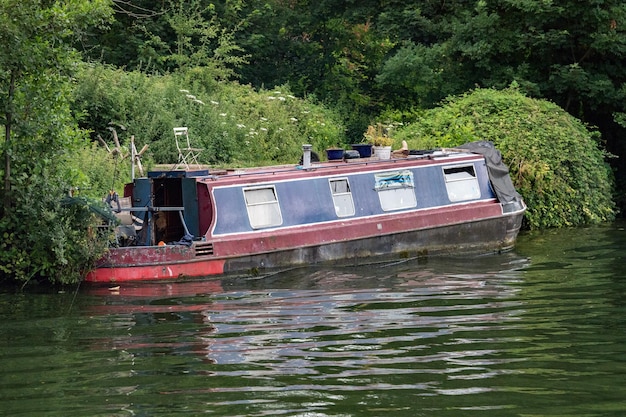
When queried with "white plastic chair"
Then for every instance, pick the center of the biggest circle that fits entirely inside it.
(187, 155)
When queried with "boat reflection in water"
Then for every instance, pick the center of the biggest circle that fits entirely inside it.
(290, 321)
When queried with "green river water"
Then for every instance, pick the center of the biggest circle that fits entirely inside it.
(540, 331)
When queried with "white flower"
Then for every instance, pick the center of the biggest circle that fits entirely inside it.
(282, 98)
(223, 114)
(215, 103)
(271, 98)
(263, 119)
(293, 119)
(264, 129)
(240, 126)
(184, 91)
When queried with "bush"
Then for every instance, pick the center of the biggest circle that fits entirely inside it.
(46, 234)
(556, 162)
(233, 123)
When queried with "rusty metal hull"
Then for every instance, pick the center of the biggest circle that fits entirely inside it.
(495, 234)
(480, 236)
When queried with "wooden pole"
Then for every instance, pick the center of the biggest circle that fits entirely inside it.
(133, 155)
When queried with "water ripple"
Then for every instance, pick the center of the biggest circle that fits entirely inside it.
(443, 339)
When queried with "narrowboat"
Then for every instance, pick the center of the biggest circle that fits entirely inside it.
(200, 223)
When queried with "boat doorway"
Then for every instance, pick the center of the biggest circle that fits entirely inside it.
(168, 224)
(171, 206)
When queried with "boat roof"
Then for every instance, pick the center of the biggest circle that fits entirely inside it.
(473, 151)
(331, 168)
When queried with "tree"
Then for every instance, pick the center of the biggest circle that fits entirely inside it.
(328, 49)
(166, 36)
(201, 41)
(36, 63)
(566, 51)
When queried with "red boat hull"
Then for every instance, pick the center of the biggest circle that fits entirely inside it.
(145, 263)
(463, 235)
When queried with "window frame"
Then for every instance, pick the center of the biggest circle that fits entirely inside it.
(457, 185)
(341, 199)
(396, 190)
(269, 209)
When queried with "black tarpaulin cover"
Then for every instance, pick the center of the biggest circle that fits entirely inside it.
(498, 171)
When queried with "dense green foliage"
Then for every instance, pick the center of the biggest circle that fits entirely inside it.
(233, 123)
(556, 163)
(41, 236)
(369, 55)
(255, 79)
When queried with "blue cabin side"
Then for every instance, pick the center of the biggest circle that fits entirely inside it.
(313, 200)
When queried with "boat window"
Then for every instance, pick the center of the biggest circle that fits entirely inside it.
(396, 190)
(263, 208)
(461, 183)
(342, 197)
